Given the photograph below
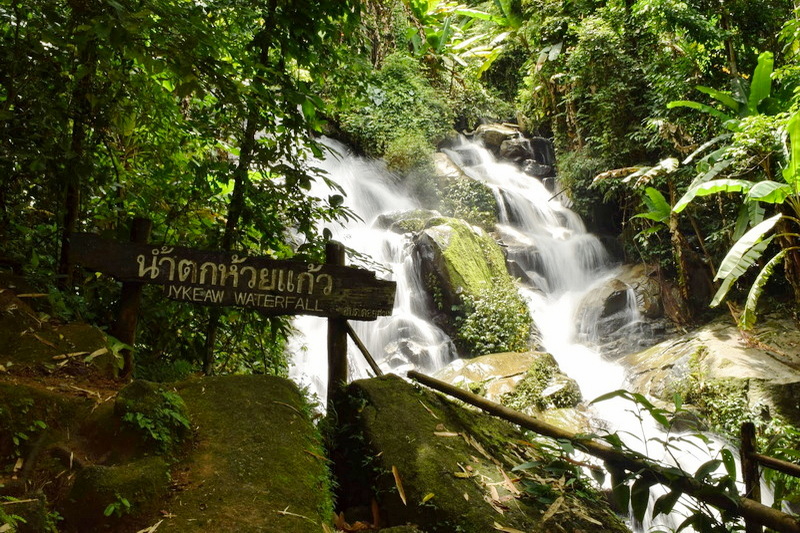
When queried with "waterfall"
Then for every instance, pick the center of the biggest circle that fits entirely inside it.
(563, 263)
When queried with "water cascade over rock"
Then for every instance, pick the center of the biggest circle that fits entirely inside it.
(560, 266)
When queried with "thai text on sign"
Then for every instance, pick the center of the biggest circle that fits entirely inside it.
(274, 287)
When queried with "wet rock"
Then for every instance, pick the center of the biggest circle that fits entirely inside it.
(763, 373)
(624, 313)
(493, 135)
(449, 463)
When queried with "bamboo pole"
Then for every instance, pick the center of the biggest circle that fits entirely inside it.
(744, 507)
(363, 349)
(780, 465)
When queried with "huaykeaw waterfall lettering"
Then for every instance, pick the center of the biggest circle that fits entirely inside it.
(208, 278)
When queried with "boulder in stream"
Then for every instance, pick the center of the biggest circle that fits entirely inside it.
(409, 456)
(728, 376)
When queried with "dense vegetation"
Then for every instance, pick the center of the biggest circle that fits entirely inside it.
(199, 115)
(676, 126)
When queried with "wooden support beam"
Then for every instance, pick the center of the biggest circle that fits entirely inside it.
(363, 349)
(130, 299)
(748, 509)
(337, 331)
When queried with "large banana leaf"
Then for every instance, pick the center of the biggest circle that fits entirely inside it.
(711, 187)
(748, 318)
(747, 250)
(761, 84)
(722, 97)
(770, 192)
(750, 214)
(700, 107)
(792, 172)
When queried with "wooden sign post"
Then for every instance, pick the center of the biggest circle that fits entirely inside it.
(273, 287)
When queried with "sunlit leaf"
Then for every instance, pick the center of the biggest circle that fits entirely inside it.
(747, 250)
(711, 187)
(748, 318)
(761, 84)
(770, 192)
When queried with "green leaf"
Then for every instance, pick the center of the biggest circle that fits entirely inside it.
(770, 192)
(711, 187)
(761, 84)
(727, 283)
(722, 97)
(792, 172)
(750, 214)
(748, 318)
(729, 461)
(707, 468)
(622, 494)
(640, 497)
(666, 502)
(659, 208)
(746, 250)
(700, 107)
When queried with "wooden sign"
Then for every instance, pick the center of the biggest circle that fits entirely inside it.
(274, 287)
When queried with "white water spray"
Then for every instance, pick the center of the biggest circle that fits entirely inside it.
(550, 243)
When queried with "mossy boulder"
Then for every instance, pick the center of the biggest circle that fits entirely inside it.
(28, 343)
(30, 415)
(473, 296)
(530, 382)
(110, 496)
(257, 464)
(429, 462)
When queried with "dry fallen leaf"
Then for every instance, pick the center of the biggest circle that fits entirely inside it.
(445, 434)
(150, 529)
(427, 497)
(399, 484)
(498, 527)
(553, 509)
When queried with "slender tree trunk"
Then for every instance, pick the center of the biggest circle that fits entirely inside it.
(77, 166)
(240, 183)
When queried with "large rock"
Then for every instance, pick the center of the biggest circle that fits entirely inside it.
(458, 259)
(530, 382)
(625, 312)
(416, 458)
(760, 373)
(493, 135)
(470, 291)
(258, 462)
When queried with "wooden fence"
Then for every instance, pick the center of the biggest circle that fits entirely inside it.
(754, 513)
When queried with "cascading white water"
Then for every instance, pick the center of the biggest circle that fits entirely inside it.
(402, 341)
(561, 259)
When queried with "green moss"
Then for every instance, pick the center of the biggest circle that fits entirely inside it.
(542, 374)
(158, 413)
(465, 269)
(256, 454)
(448, 459)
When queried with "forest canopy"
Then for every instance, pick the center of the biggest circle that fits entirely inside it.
(205, 118)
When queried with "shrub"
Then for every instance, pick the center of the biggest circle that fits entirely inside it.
(494, 320)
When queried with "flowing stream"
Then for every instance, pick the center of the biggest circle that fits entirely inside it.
(562, 260)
